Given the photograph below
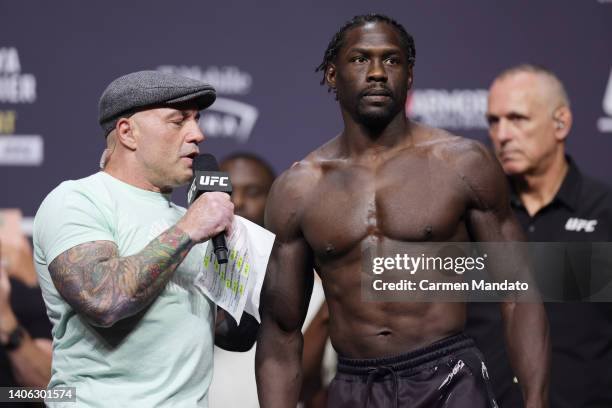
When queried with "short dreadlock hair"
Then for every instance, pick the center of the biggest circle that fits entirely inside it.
(337, 41)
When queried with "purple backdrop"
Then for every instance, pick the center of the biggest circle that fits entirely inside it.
(57, 57)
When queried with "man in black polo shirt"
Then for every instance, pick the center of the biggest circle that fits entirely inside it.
(529, 119)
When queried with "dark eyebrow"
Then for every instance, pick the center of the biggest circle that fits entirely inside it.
(359, 50)
(491, 118)
(516, 115)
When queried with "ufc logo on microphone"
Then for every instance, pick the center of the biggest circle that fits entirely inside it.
(214, 181)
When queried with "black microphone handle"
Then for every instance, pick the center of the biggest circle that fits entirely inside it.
(220, 248)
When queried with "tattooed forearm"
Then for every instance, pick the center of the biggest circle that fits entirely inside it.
(106, 288)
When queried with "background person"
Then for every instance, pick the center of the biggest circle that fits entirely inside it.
(25, 330)
(251, 178)
(530, 119)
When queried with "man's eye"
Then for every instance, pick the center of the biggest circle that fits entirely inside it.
(359, 59)
(253, 192)
(392, 61)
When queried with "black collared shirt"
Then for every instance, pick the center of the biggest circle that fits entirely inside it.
(581, 333)
(581, 211)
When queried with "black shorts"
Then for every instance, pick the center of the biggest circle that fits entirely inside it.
(448, 373)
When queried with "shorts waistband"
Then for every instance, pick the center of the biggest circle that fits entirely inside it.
(412, 359)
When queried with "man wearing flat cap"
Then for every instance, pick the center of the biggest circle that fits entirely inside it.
(116, 258)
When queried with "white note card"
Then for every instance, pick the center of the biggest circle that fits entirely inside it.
(236, 285)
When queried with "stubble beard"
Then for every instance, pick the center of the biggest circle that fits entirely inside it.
(377, 120)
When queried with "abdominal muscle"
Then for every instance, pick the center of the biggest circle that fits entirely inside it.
(368, 329)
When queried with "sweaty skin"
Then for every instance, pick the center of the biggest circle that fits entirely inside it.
(418, 191)
(431, 187)
(383, 180)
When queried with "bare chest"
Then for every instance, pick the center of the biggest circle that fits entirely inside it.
(410, 200)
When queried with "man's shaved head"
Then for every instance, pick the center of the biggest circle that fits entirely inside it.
(529, 119)
(550, 85)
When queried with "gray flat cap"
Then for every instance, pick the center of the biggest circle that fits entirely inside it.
(138, 90)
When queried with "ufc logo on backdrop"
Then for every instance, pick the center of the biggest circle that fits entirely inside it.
(578, 224)
(214, 180)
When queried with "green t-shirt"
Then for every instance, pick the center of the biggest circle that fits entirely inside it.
(163, 356)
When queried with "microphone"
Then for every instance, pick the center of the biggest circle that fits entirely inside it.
(208, 178)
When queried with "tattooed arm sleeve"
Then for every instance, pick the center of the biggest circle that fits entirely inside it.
(105, 288)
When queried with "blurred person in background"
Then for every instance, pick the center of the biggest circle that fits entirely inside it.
(319, 359)
(25, 330)
(251, 178)
(530, 118)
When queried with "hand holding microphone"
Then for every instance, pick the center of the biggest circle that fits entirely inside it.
(210, 212)
(209, 215)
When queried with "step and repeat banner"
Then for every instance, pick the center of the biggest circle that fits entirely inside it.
(56, 58)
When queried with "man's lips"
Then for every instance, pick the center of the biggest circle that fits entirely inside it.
(376, 95)
(190, 157)
(372, 92)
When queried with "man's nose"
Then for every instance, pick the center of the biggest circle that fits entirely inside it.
(195, 135)
(376, 71)
(501, 132)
